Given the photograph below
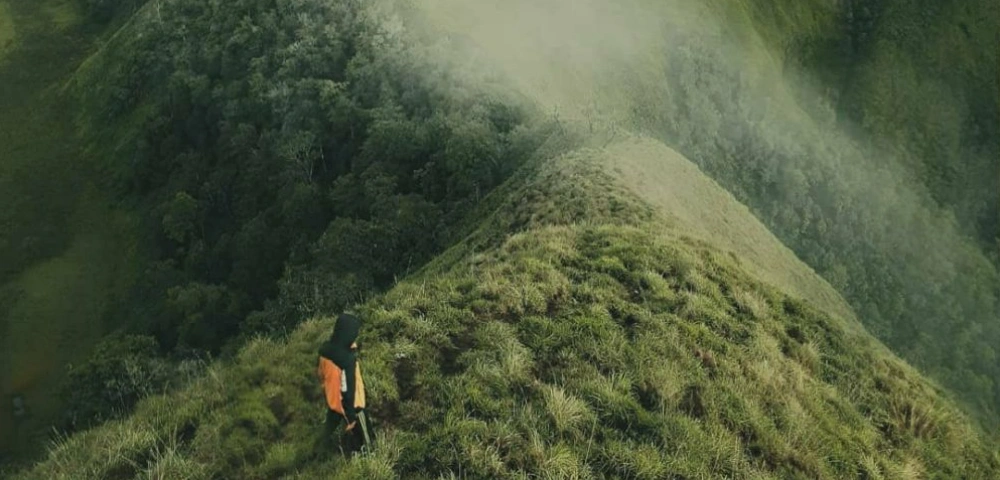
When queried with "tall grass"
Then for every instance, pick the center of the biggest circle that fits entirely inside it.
(567, 350)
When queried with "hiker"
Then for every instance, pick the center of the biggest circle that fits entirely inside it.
(20, 409)
(340, 374)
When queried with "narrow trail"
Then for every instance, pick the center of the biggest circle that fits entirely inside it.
(63, 249)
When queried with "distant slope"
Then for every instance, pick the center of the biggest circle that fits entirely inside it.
(940, 109)
(702, 209)
(64, 250)
(585, 345)
(792, 107)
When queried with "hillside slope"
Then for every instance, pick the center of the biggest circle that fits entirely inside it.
(874, 164)
(702, 209)
(65, 251)
(572, 335)
(253, 142)
(607, 312)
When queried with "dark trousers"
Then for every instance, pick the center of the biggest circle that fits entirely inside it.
(350, 442)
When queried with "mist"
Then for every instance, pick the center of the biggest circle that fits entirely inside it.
(232, 174)
(701, 79)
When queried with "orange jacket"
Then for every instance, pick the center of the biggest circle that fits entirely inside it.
(335, 384)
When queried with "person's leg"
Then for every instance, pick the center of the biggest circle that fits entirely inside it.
(331, 423)
(351, 442)
(329, 438)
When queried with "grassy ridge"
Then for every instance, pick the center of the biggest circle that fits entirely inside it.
(588, 345)
(770, 100)
(872, 159)
(717, 81)
(703, 209)
(624, 349)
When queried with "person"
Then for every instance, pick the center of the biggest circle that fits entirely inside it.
(20, 410)
(340, 374)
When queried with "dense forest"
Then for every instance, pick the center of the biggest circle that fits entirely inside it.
(287, 159)
(285, 162)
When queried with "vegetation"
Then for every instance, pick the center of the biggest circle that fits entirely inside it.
(272, 162)
(285, 159)
(7, 31)
(756, 94)
(700, 208)
(32, 221)
(121, 370)
(64, 251)
(913, 79)
(572, 349)
(269, 161)
(945, 117)
(880, 211)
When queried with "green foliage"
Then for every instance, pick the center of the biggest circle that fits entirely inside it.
(179, 217)
(470, 378)
(885, 215)
(288, 158)
(121, 370)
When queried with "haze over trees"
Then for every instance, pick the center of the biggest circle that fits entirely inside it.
(281, 160)
(865, 216)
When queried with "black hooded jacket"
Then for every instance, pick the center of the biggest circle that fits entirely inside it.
(338, 350)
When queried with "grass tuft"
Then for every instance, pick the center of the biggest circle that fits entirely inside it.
(567, 412)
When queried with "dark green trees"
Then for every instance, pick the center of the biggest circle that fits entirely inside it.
(288, 157)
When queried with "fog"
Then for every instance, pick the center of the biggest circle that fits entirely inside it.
(700, 78)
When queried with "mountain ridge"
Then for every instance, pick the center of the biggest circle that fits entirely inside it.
(504, 356)
(282, 171)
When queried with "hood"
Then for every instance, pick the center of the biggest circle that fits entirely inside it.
(345, 332)
(338, 347)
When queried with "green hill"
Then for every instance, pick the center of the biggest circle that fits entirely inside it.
(700, 208)
(589, 239)
(591, 341)
(827, 119)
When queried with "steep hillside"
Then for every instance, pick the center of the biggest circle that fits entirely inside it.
(593, 342)
(700, 208)
(745, 91)
(940, 109)
(570, 200)
(222, 125)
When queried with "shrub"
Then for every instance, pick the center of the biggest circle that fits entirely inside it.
(121, 370)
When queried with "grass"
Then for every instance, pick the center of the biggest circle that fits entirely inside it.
(575, 342)
(594, 324)
(701, 208)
